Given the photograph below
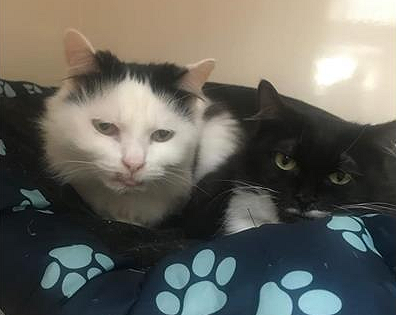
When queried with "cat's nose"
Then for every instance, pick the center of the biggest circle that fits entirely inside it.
(305, 199)
(133, 165)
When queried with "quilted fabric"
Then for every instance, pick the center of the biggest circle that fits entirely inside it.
(57, 258)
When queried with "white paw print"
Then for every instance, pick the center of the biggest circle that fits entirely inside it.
(201, 297)
(79, 263)
(35, 199)
(3, 150)
(275, 300)
(6, 89)
(354, 232)
(32, 88)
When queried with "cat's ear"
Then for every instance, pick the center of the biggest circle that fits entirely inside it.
(80, 54)
(193, 80)
(385, 133)
(269, 101)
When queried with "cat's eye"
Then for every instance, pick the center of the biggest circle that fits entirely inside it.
(162, 135)
(285, 162)
(340, 178)
(105, 128)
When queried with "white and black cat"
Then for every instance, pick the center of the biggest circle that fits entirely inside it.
(126, 136)
(301, 162)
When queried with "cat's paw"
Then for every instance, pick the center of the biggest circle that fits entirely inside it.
(274, 298)
(201, 297)
(75, 264)
(6, 90)
(354, 232)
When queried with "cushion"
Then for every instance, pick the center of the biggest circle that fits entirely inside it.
(59, 258)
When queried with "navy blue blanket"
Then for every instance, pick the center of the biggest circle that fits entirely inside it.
(57, 259)
(339, 265)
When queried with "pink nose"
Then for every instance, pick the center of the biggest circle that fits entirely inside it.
(132, 165)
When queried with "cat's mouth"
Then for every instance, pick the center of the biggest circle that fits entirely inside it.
(127, 181)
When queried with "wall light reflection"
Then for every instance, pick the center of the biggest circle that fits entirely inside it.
(334, 69)
(368, 11)
(370, 81)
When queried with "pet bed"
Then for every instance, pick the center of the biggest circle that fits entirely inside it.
(58, 258)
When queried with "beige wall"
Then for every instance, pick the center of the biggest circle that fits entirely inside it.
(337, 54)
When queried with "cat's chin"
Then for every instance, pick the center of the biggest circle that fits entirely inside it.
(122, 186)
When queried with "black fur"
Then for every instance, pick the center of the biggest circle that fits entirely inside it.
(109, 71)
(321, 143)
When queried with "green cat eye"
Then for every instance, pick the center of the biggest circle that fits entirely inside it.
(105, 128)
(162, 135)
(340, 178)
(285, 162)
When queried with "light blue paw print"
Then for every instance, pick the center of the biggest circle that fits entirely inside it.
(6, 89)
(32, 88)
(35, 199)
(274, 300)
(354, 232)
(2, 148)
(77, 263)
(201, 297)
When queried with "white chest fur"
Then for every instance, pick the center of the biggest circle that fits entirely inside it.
(145, 208)
(248, 209)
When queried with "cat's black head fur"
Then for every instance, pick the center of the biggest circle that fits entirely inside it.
(109, 71)
(320, 144)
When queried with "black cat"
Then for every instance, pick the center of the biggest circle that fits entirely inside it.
(300, 162)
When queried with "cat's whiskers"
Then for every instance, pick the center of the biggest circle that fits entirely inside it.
(184, 180)
(94, 165)
(251, 185)
(169, 181)
(65, 162)
(379, 207)
(390, 150)
(355, 141)
(344, 210)
(75, 172)
(71, 169)
(253, 189)
(376, 203)
(235, 190)
(224, 193)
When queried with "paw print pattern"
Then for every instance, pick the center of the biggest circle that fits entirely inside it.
(355, 232)
(6, 90)
(32, 88)
(35, 199)
(274, 300)
(2, 148)
(201, 297)
(74, 260)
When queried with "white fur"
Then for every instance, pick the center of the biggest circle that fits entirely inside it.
(316, 214)
(89, 160)
(248, 209)
(220, 139)
(308, 214)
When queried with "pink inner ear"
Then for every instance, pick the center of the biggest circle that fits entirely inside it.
(197, 75)
(80, 55)
(81, 62)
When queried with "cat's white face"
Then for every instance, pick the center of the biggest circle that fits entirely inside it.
(127, 137)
